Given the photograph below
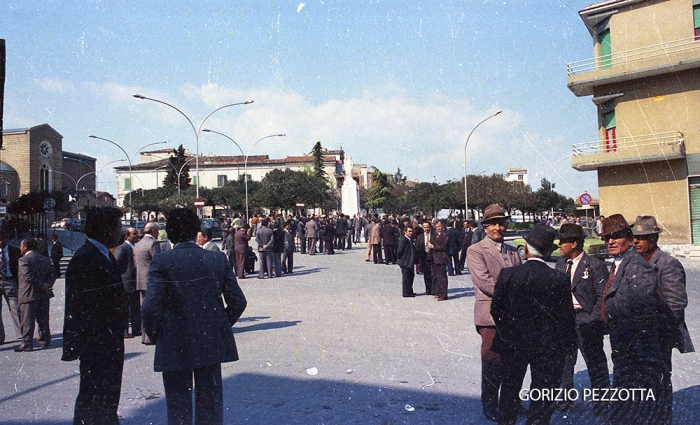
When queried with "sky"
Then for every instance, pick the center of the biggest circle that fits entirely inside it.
(396, 84)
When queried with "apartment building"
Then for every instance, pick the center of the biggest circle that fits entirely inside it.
(644, 80)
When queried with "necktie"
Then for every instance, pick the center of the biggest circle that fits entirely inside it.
(3, 264)
(603, 309)
(569, 266)
(504, 254)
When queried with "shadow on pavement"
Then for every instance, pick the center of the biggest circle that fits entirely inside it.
(266, 326)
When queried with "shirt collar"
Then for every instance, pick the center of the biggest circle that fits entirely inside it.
(103, 249)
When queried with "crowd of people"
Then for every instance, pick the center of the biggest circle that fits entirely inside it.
(126, 284)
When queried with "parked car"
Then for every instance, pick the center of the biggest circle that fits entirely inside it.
(215, 225)
(140, 225)
(593, 245)
(78, 225)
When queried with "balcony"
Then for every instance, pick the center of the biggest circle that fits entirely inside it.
(628, 150)
(645, 61)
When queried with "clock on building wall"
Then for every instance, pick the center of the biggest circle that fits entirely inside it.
(45, 149)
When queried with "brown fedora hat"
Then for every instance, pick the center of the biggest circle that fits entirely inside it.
(645, 225)
(492, 213)
(614, 223)
(571, 231)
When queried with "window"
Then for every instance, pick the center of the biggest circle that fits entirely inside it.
(127, 184)
(520, 177)
(44, 179)
(221, 180)
(696, 21)
(605, 49)
(5, 189)
(610, 131)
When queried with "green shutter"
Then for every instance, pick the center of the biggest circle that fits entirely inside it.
(127, 184)
(605, 49)
(694, 183)
(194, 180)
(696, 16)
(609, 120)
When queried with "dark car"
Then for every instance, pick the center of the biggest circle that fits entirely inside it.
(215, 225)
(78, 225)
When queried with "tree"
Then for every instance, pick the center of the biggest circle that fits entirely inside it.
(425, 197)
(317, 153)
(379, 194)
(282, 189)
(178, 162)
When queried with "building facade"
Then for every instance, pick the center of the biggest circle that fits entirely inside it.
(32, 160)
(216, 171)
(644, 80)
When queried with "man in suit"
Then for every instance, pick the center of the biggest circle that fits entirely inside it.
(36, 277)
(124, 254)
(184, 315)
(240, 248)
(375, 238)
(406, 253)
(289, 248)
(630, 303)
(227, 246)
(388, 235)
(425, 257)
(673, 297)
(328, 236)
(453, 249)
(368, 230)
(485, 260)
(204, 239)
(439, 244)
(56, 254)
(9, 257)
(534, 318)
(466, 238)
(95, 319)
(310, 229)
(341, 231)
(144, 251)
(587, 276)
(42, 247)
(265, 239)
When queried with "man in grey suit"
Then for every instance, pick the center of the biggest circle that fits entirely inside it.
(204, 239)
(485, 260)
(144, 251)
(671, 289)
(184, 315)
(36, 277)
(310, 229)
(124, 254)
(264, 238)
(587, 276)
(630, 309)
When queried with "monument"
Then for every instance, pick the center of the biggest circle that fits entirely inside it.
(350, 192)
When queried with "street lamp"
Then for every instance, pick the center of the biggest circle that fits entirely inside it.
(245, 173)
(196, 130)
(466, 204)
(179, 173)
(130, 159)
(95, 173)
(234, 142)
(551, 176)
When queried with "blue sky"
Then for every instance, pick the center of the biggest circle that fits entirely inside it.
(397, 84)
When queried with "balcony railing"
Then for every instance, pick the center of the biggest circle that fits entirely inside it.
(632, 56)
(667, 138)
(626, 150)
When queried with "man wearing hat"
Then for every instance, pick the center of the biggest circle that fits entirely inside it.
(630, 302)
(485, 260)
(534, 317)
(671, 289)
(587, 277)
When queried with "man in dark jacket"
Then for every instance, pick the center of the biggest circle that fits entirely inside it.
(184, 315)
(341, 231)
(388, 235)
(673, 297)
(56, 254)
(466, 238)
(587, 276)
(425, 257)
(240, 248)
(406, 253)
(95, 319)
(534, 318)
(630, 309)
(124, 254)
(265, 240)
(453, 248)
(9, 258)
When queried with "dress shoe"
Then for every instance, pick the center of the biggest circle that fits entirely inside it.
(20, 349)
(408, 296)
(441, 298)
(491, 415)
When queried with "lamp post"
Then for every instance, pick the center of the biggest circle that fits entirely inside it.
(130, 159)
(95, 172)
(179, 173)
(234, 142)
(196, 130)
(245, 173)
(551, 184)
(466, 204)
